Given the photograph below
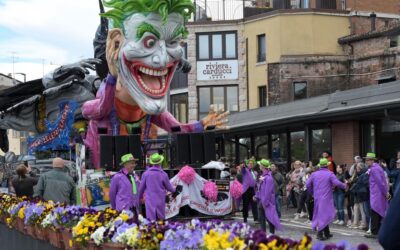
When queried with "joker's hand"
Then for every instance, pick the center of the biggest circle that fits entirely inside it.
(215, 118)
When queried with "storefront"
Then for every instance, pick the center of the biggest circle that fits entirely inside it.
(346, 123)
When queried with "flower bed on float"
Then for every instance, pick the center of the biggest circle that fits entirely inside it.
(74, 227)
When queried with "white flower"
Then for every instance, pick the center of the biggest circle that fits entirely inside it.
(98, 235)
(48, 220)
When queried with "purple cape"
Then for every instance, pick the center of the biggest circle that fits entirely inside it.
(378, 189)
(155, 183)
(321, 184)
(266, 195)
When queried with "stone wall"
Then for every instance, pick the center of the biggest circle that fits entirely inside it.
(385, 6)
(372, 59)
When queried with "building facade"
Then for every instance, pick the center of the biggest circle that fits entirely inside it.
(296, 35)
(216, 51)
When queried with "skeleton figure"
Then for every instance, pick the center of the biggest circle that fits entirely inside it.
(143, 51)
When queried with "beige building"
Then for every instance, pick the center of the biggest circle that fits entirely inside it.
(273, 37)
(13, 136)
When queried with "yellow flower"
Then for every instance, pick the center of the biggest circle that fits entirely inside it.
(272, 243)
(21, 214)
(262, 246)
(160, 236)
(124, 217)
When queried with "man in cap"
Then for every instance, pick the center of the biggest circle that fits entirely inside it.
(321, 184)
(266, 197)
(155, 184)
(56, 185)
(249, 178)
(378, 194)
(124, 186)
(81, 137)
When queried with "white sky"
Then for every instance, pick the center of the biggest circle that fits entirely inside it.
(43, 34)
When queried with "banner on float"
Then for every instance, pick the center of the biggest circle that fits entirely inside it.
(192, 195)
(57, 134)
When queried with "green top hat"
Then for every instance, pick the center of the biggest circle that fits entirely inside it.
(127, 158)
(264, 163)
(370, 156)
(81, 130)
(156, 159)
(323, 162)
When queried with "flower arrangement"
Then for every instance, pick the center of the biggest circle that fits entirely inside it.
(90, 222)
(187, 174)
(210, 190)
(236, 189)
(110, 226)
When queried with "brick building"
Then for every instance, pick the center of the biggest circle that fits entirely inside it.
(347, 104)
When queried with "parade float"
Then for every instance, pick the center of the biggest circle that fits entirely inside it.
(137, 49)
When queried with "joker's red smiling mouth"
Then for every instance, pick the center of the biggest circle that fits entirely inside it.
(153, 82)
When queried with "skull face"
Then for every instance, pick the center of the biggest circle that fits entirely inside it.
(148, 58)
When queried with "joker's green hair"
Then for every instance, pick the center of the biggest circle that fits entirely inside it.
(125, 8)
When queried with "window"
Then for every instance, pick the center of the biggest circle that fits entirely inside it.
(262, 96)
(279, 149)
(394, 41)
(321, 141)
(179, 107)
(222, 97)
(261, 146)
(299, 90)
(368, 137)
(216, 46)
(261, 48)
(297, 145)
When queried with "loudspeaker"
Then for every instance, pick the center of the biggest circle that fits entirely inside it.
(121, 144)
(196, 148)
(180, 150)
(107, 152)
(209, 147)
(135, 148)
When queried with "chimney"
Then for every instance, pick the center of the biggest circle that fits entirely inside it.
(373, 21)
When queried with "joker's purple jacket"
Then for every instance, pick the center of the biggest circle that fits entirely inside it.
(266, 195)
(121, 193)
(155, 183)
(321, 184)
(378, 189)
(248, 179)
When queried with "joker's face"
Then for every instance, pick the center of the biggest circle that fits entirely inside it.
(148, 57)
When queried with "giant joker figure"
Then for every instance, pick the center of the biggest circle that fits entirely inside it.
(143, 50)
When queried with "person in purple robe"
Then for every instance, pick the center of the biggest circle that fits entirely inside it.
(155, 184)
(379, 192)
(249, 177)
(124, 184)
(321, 184)
(266, 197)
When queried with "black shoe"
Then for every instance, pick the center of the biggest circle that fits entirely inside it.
(321, 237)
(328, 236)
(371, 236)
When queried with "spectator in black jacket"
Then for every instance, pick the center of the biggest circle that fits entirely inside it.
(23, 184)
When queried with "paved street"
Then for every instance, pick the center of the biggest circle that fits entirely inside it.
(295, 229)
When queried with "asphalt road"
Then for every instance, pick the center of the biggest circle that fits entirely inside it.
(295, 229)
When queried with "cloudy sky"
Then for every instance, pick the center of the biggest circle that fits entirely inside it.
(43, 34)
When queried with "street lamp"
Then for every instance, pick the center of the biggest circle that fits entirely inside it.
(21, 74)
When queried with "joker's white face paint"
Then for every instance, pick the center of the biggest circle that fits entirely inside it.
(148, 58)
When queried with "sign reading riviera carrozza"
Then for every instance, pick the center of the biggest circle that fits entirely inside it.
(217, 70)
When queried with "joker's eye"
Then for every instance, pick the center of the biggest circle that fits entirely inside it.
(172, 44)
(149, 42)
